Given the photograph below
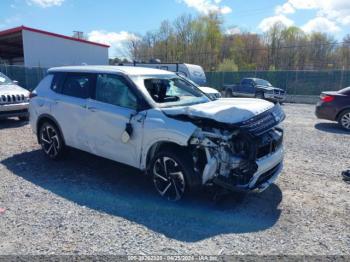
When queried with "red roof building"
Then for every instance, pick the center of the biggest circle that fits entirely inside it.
(37, 48)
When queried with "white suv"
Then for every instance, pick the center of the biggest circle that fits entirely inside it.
(160, 123)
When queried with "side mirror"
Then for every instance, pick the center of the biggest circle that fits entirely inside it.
(15, 82)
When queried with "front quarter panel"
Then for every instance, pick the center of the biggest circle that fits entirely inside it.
(160, 128)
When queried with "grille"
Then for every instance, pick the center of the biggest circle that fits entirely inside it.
(267, 175)
(269, 143)
(278, 92)
(11, 99)
(264, 122)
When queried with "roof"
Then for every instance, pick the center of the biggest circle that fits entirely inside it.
(21, 28)
(128, 70)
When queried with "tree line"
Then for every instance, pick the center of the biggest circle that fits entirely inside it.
(202, 40)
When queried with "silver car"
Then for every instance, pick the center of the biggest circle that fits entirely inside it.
(162, 124)
(14, 100)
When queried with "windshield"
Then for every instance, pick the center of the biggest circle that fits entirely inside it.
(169, 91)
(262, 82)
(4, 80)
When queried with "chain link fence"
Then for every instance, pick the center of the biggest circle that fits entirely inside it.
(294, 82)
(26, 77)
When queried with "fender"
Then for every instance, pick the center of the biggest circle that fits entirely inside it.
(51, 118)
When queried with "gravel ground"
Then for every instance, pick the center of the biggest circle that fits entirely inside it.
(88, 205)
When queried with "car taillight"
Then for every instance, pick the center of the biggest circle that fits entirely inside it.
(327, 98)
(32, 94)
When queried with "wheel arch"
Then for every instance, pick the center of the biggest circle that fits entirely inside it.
(47, 118)
(341, 112)
(156, 147)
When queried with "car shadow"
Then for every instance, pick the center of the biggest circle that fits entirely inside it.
(122, 191)
(331, 128)
(11, 123)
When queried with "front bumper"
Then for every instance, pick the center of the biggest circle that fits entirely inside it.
(14, 110)
(275, 97)
(269, 169)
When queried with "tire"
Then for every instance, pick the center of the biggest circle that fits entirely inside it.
(260, 95)
(23, 118)
(344, 120)
(228, 93)
(173, 174)
(51, 141)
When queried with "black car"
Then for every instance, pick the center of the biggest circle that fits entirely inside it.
(335, 106)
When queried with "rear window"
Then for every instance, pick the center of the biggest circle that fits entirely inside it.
(345, 91)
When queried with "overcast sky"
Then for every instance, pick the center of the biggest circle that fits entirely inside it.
(114, 21)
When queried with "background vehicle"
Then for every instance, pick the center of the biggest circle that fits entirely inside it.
(335, 106)
(14, 100)
(158, 122)
(255, 87)
(193, 72)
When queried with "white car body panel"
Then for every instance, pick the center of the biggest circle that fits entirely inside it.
(225, 110)
(106, 139)
(160, 128)
(98, 127)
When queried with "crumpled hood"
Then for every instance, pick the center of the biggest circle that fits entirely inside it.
(12, 90)
(224, 110)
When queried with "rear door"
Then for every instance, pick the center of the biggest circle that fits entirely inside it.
(111, 107)
(69, 106)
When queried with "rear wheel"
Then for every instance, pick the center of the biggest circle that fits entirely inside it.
(171, 172)
(51, 141)
(344, 120)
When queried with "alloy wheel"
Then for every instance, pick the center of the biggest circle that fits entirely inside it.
(345, 121)
(50, 141)
(168, 178)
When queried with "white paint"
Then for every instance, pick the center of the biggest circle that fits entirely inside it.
(49, 51)
(225, 110)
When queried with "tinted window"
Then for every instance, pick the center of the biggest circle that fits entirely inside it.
(245, 82)
(56, 82)
(262, 82)
(114, 90)
(77, 85)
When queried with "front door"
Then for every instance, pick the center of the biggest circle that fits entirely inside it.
(112, 106)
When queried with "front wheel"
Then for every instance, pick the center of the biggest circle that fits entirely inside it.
(170, 171)
(51, 141)
(344, 120)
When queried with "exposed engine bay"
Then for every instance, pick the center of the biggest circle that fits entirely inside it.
(228, 154)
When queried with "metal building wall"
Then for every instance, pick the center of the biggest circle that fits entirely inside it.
(41, 50)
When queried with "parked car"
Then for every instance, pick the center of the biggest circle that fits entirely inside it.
(195, 73)
(156, 121)
(14, 100)
(335, 106)
(255, 87)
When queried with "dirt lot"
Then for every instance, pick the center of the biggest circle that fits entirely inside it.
(87, 205)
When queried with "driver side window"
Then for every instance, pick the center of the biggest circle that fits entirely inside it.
(114, 90)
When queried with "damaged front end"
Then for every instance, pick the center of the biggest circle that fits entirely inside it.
(247, 156)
